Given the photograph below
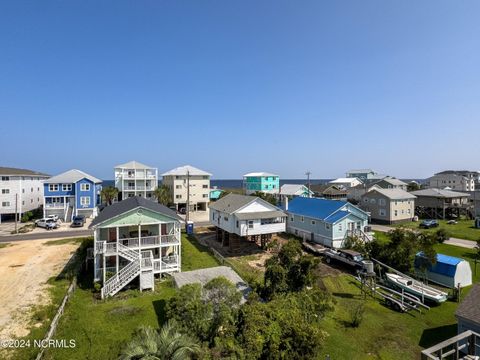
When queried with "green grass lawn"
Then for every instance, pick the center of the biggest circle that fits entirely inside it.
(464, 229)
(383, 333)
(100, 328)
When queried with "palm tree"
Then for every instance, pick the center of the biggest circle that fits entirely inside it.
(164, 344)
(163, 194)
(109, 193)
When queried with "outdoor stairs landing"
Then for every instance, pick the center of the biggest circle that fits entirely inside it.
(118, 281)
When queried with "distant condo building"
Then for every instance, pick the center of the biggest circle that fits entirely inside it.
(182, 178)
(362, 174)
(458, 180)
(135, 179)
(261, 182)
(21, 190)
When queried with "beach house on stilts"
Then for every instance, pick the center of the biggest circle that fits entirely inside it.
(136, 238)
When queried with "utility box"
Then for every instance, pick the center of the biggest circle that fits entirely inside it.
(189, 227)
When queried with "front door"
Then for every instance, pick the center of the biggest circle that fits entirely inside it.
(163, 229)
(351, 226)
(112, 234)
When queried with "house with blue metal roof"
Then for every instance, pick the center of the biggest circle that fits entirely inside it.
(448, 271)
(323, 221)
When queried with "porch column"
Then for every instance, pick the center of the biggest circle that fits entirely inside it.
(116, 263)
(103, 272)
(139, 239)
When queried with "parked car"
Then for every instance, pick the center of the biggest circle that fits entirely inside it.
(428, 224)
(452, 222)
(348, 257)
(46, 223)
(78, 221)
(54, 217)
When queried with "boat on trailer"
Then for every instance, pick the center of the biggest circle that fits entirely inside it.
(417, 288)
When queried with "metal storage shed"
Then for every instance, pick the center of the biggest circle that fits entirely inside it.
(448, 271)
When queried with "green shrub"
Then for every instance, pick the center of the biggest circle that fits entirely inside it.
(26, 216)
(97, 287)
(356, 314)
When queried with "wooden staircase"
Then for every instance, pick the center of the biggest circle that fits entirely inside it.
(124, 275)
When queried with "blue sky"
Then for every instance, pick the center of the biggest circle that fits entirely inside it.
(239, 86)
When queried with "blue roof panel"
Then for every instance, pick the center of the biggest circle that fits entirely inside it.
(315, 208)
(445, 265)
(339, 215)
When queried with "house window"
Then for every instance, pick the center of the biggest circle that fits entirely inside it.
(53, 187)
(6, 203)
(5, 191)
(396, 213)
(23, 191)
(205, 186)
(84, 200)
(178, 196)
(302, 219)
(372, 201)
(237, 223)
(178, 186)
(291, 219)
(31, 189)
(225, 218)
(5, 178)
(23, 202)
(408, 211)
(313, 222)
(340, 228)
(250, 224)
(213, 216)
(31, 201)
(67, 187)
(365, 200)
(205, 195)
(382, 212)
(381, 202)
(327, 226)
(84, 187)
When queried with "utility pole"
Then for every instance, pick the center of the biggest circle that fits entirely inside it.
(308, 181)
(16, 213)
(188, 196)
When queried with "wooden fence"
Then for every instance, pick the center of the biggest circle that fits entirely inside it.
(58, 315)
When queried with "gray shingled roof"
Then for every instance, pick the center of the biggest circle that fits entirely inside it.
(469, 308)
(14, 171)
(393, 194)
(131, 203)
(232, 202)
(71, 176)
(439, 193)
(393, 181)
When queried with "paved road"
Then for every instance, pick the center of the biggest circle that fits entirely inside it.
(468, 244)
(52, 234)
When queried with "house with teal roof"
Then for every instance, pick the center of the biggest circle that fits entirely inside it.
(326, 222)
(262, 182)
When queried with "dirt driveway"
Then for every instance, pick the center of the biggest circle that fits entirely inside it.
(25, 268)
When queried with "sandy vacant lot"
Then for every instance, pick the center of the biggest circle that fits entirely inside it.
(25, 266)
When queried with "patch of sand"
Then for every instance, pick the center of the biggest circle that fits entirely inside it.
(25, 267)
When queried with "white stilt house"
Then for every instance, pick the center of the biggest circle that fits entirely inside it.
(135, 238)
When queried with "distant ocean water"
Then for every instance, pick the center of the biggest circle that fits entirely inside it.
(237, 184)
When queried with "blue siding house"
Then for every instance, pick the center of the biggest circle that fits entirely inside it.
(71, 193)
(325, 222)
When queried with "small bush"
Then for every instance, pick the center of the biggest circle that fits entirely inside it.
(97, 287)
(356, 314)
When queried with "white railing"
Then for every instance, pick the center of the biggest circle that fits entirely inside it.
(54, 205)
(166, 263)
(110, 247)
(123, 277)
(127, 253)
